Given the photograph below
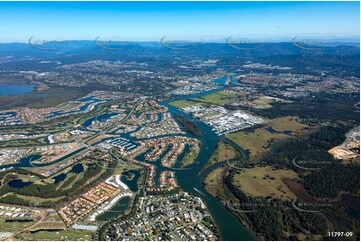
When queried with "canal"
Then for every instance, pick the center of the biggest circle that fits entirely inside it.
(189, 180)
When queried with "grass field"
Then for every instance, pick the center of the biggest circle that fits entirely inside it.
(13, 226)
(183, 104)
(69, 235)
(39, 199)
(266, 102)
(23, 142)
(213, 183)
(126, 166)
(68, 105)
(263, 102)
(264, 181)
(51, 221)
(283, 124)
(189, 158)
(223, 152)
(259, 141)
(217, 98)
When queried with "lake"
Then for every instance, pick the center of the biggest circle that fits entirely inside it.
(132, 184)
(15, 89)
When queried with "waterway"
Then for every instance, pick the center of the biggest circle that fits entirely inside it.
(29, 161)
(189, 179)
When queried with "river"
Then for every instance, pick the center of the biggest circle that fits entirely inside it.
(189, 180)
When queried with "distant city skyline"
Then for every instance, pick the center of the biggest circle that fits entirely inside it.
(201, 21)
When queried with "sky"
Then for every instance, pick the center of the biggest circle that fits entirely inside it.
(150, 21)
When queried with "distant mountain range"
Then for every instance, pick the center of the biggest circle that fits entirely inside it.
(232, 47)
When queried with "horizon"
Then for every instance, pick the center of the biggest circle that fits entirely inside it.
(275, 40)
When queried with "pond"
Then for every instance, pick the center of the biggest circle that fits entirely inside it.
(131, 183)
(116, 210)
(59, 178)
(77, 169)
(18, 183)
(271, 130)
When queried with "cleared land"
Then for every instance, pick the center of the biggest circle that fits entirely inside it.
(213, 183)
(259, 141)
(265, 181)
(216, 98)
(69, 234)
(266, 102)
(183, 104)
(189, 158)
(263, 102)
(284, 124)
(14, 226)
(223, 152)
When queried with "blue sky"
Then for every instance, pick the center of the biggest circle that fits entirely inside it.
(145, 21)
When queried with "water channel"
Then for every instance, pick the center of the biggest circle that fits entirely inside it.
(189, 179)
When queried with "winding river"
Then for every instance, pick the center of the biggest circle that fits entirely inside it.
(189, 180)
